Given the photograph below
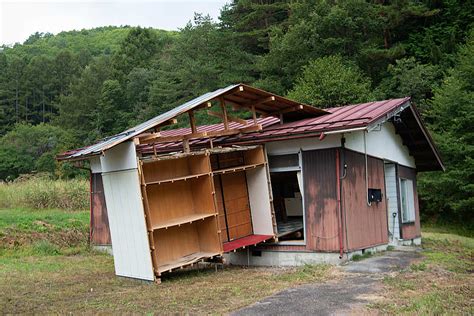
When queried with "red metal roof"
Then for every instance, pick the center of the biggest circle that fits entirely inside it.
(339, 118)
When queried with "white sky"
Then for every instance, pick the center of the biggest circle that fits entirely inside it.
(21, 18)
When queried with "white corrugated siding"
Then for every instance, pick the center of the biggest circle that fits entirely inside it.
(128, 231)
(391, 191)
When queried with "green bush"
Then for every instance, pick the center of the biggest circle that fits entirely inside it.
(40, 192)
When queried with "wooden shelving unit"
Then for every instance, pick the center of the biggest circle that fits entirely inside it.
(196, 203)
(181, 214)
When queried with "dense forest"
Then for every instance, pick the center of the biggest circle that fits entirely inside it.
(70, 89)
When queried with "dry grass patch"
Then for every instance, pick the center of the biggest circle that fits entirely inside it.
(442, 283)
(86, 283)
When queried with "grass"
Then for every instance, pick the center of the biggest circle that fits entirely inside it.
(363, 256)
(41, 192)
(442, 283)
(50, 273)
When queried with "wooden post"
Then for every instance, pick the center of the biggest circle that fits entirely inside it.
(192, 122)
(254, 115)
(224, 113)
(186, 147)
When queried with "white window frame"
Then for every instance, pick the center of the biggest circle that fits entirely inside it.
(407, 200)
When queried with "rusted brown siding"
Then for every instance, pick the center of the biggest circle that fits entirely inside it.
(100, 233)
(411, 230)
(319, 173)
(366, 225)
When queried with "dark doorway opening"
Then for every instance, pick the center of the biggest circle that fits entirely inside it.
(288, 204)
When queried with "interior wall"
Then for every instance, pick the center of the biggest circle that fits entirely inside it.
(366, 225)
(411, 230)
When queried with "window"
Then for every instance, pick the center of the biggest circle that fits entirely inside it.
(284, 162)
(407, 198)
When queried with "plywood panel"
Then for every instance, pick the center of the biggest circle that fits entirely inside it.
(237, 206)
(174, 243)
(366, 225)
(127, 225)
(100, 231)
(412, 230)
(172, 200)
(259, 198)
(175, 168)
(220, 208)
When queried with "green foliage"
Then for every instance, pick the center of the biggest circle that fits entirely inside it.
(449, 195)
(329, 81)
(203, 58)
(31, 148)
(407, 77)
(94, 83)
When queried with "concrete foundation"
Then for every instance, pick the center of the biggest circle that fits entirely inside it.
(292, 258)
(107, 249)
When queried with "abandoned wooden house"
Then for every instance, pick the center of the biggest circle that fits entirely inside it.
(292, 184)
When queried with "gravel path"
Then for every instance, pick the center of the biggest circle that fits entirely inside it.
(359, 285)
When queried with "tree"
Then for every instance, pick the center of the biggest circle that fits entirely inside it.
(449, 195)
(329, 81)
(29, 148)
(79, 111)
(253, 20)
(203, 58)
(407, 77)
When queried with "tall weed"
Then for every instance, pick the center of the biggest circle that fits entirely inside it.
(41, 192)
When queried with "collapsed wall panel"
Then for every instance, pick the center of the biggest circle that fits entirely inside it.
(125, 213)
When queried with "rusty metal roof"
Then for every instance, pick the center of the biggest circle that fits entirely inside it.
(338, 118)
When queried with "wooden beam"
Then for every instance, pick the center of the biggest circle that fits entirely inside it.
(261, 101)
(229, 117)
(224, 113)
(285, 110)
(237, 106)
(192, 122)
(253, 128)
(169, 139)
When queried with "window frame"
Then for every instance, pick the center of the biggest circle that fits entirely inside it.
(407, 201)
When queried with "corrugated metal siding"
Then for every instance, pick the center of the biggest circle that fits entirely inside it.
(412, 230)
(100, 231)
(127, 225)
(392, 197)
(319, 173)
(366, 225)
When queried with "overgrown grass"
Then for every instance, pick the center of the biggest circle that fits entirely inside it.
(30, 232)
(40, 192)
(442, 283)
(47, 267)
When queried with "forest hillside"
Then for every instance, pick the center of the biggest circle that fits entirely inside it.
(66, 90)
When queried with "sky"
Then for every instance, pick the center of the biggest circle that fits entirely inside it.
(21, 18)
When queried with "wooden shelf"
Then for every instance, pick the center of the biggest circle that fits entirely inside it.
(189, 177)
(182, 220)
(237, 169)
(185, 261)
